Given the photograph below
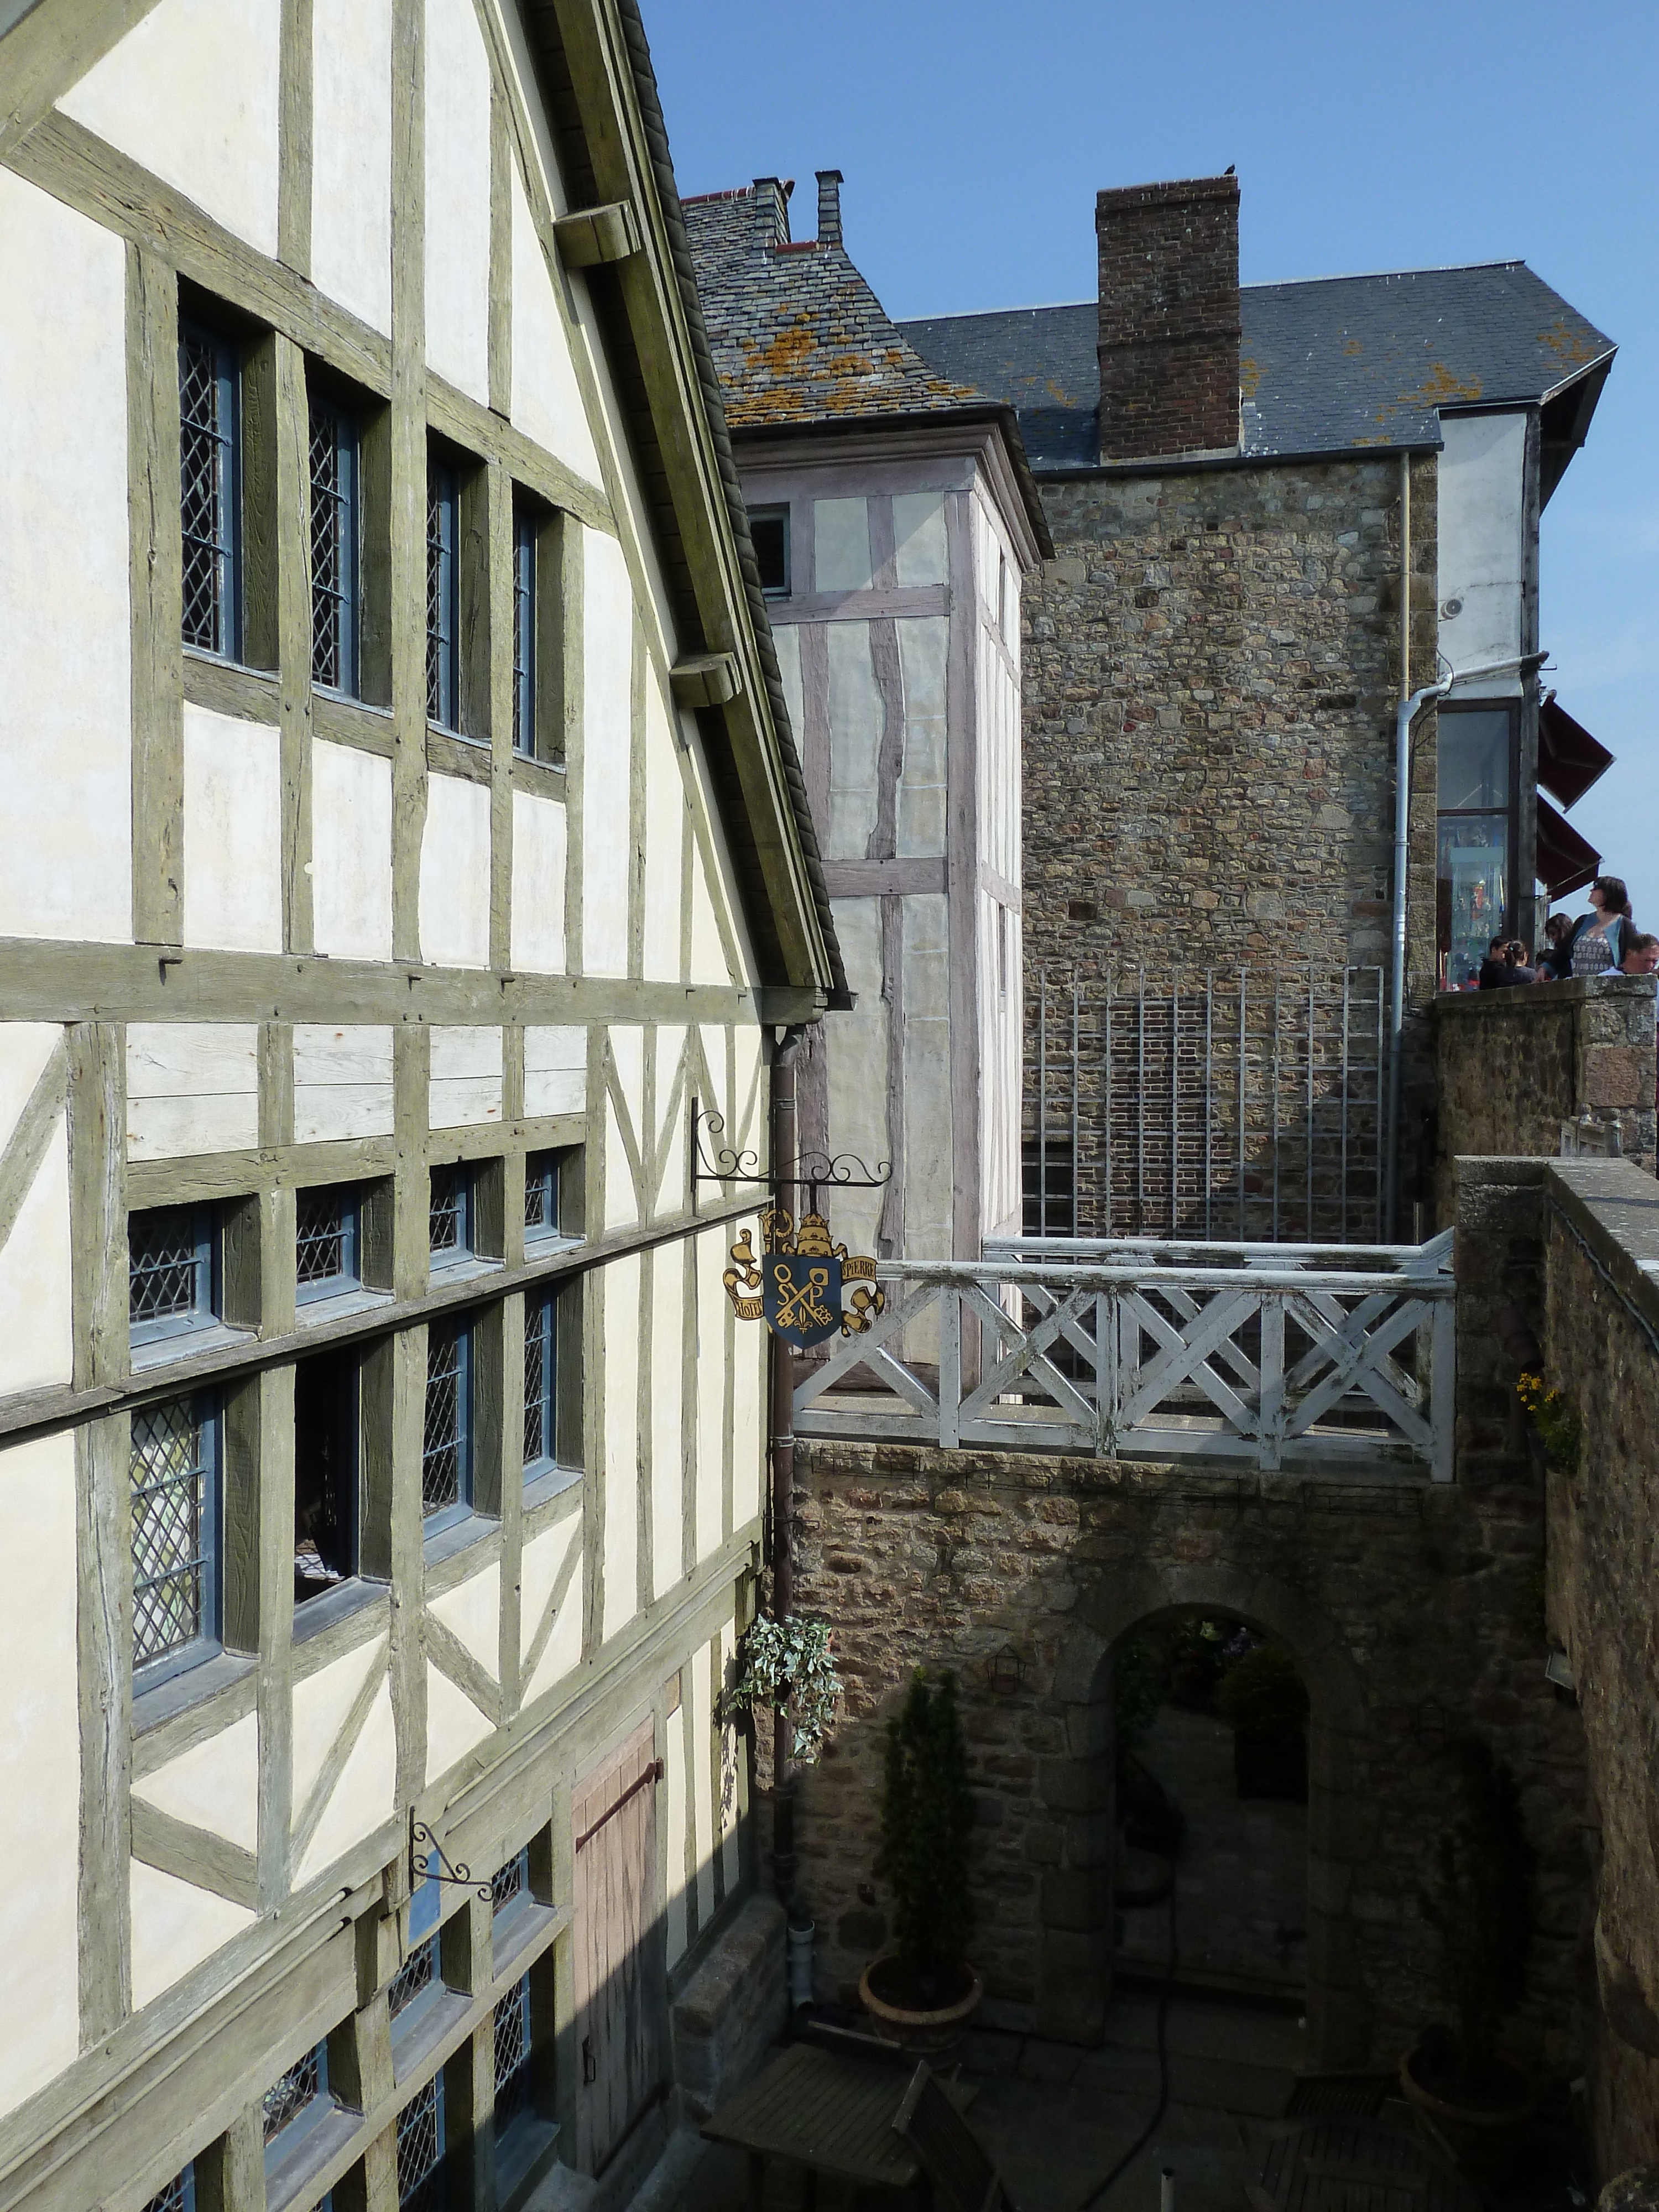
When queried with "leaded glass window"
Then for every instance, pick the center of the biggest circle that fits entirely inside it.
(513, 2081)
(447, 1454)
(421, 2149)
(539, 1380)
(524, 635)
(443, 598)
(449, 1218)
(541, 1195)
(296, 2100)
(325, 1241)
(210, 490)
(336, 511)
(169, 1270)
(179, 2196)
(510, 1882)
(418, 1973)
(174, 1483)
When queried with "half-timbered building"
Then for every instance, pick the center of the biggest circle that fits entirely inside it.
(404, 836)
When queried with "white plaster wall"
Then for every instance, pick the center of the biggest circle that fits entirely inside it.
(213, 1785)
(674, 1838)
(855, 726)
(708, 961)
(555, 1071)
(454, 1724)
(39, 1770)
(856, 1048)
(786, 637)
(539, 883)
(540, 1564)
(841, 545)
(919, 538)
(466, 1076)
(192, 93)
(928, 1102)
(192, 1087)
(547, 403)
(342, 1082)
(924, 644)
(714, 1325)
(1482, 484)
(664, 841)
(350, 852)
(1000, 1014)
(674, 1083)
(620, 1310)
(998, 758)
(36, 1343)
(321, 1702)
(66, 704)
(667, 1450)
(233, 833)
(472, 1612)
(455, 873)
(607, 753)
(364, 1796)
(563, 1651)
(457, 197)
(351, 155)
(621, 1205)
(175, 1926)
(627, 1041)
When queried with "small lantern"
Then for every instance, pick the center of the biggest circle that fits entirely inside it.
(1005, 1673)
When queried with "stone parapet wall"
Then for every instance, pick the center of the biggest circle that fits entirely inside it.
(1602, 1350)
(1512, 1066)
(729, 2009)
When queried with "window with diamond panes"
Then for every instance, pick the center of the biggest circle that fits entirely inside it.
(210, 488)
(179, 2196)
(294, 2103)
(541, 1195)
(450, 1215)
(514, 2084)
(169, 1271)
(335, 544)
(417, 1975)
(524, 634)
(540, 1380)
(443, 595)
(421, 2150)
(510, 1882)
(175, 1516)
(446, 1449)
(325, 1241)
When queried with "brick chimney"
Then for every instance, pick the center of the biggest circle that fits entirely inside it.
(772, 196)
(1169, 319)
(830, 183)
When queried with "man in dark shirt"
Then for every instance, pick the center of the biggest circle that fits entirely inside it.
(1507, 962)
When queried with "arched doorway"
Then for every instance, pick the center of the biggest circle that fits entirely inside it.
(1078, 1904)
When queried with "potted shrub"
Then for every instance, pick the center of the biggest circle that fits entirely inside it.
(921, 1992)
(1262, 1700)
(1481, 1909)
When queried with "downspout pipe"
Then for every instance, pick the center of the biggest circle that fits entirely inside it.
(782, 1424)
(1406, 714)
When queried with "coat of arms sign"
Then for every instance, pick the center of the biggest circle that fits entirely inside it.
(796, 1285)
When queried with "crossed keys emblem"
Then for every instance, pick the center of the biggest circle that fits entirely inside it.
(796, 1288)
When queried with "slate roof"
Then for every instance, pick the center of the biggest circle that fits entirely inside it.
(1325, 365)
(797, 335)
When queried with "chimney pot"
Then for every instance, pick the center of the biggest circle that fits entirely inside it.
(830, 183)
(1169, 319)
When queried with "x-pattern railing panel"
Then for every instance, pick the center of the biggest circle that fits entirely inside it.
(1120, 1355)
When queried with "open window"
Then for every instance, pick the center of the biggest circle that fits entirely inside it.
(769, 529)
(325, 1472)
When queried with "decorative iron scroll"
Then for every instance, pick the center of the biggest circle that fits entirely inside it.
(814, 1171)
(433, 1865)
(795, 1286)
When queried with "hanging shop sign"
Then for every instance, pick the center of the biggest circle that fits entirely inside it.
(797, 1284)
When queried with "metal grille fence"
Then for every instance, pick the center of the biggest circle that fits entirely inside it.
(170, 1476)
(420, 2149)
(512, 2054)
(1246, 1104)
(288, 2097)
(207, 456)
(334, 548)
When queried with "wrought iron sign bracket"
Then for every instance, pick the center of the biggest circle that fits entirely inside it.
(433, 1865)
(815, 1171)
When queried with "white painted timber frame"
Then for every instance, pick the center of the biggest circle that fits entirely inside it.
(1132, 1350)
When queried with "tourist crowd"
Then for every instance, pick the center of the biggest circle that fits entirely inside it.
(1603, 942)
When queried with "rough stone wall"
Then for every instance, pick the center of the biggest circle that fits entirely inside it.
(732, 2008)
(1408, 1607)
(1512, 1066)
(1601, 1349)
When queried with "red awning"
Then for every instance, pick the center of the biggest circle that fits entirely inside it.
(1566, 861)
(1570, 760)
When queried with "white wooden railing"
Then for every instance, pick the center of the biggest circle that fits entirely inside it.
(1336, 1359)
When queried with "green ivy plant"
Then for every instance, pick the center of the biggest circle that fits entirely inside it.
(789, 1662)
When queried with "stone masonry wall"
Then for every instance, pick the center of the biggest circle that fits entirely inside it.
(1512, 1066)
(1601, 1349)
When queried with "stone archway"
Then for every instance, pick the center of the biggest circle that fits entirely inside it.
(1074, 1973)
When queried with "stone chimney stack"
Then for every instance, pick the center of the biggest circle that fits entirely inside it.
(772, 208)
(1169, 319)
(829, 181)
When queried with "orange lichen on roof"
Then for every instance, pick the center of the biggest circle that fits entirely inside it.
(1250, 376)
(1353, 346)
(1573, 345)
(1440, 385)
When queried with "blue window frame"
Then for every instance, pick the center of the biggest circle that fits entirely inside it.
(514, 2087)
(179, 2196)
(335, 544)
(443, 595)
(421, 2149)
(447, 1451)
(210, 488)
(295, 2105)
(451, 1216)
(541, 1336)
(524, 633)
(175, 1534)
(326, 1240)
(541, 1195)
(172, 1271)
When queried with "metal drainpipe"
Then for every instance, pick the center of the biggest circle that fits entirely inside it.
(783, 1471)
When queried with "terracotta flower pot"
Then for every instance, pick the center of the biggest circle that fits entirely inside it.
(921, 2034)
(1511, 2113)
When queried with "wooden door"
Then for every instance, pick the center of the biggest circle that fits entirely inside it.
(617, 1940)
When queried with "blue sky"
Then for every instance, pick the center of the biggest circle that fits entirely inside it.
(974, 137)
